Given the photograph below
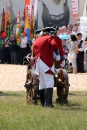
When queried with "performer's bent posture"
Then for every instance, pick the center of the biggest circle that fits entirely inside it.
(43, 48)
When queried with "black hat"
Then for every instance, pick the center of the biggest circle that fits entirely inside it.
(56, 27)
(79, 34)
(38, 31)
(53, 30)
(45, 30)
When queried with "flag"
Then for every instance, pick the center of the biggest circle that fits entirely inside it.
(35, 16)
(27, 13)
(18, 29)
(27, 2)
(75, 9)
(3, 33)
(27, 24)
(1, 42)
(35, 9)
(36, 24)
(3, 21)
(8, 23)
(32, 23)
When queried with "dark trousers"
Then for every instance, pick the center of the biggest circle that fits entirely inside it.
(13, 57)
(23, 52)
(0, 55)
(80, 62)
(7, 55)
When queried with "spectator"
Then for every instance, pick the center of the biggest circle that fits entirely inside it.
(64, 30)
(73, 50)
(13, 49)
(65, 50)
(60, 31)
(69, 31)
(70, 26)
(23, 47)
(75, 30)
(7, 56)
(80, 55)
(65, 43)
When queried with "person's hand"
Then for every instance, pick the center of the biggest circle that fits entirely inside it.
(31, 62)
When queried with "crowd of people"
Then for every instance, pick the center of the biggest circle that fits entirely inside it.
(12, 53)
(74, 46)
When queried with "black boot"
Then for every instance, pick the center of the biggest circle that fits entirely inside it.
(42, 97)
(48, 97)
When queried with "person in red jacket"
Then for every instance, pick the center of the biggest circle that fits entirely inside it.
(43, 48)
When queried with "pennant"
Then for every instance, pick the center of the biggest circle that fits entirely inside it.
(8, 23)
(1, 42)
(35, 16)
(35, 9)
(75, 9)
(32, 22)
(3, 21)
(18, 29)
(27, 24)
(27, 2)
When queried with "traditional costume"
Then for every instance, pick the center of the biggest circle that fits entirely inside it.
(43, 48)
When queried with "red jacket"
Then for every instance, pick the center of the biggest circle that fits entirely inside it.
(44, 48)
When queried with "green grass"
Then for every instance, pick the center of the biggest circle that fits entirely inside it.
(16, 114)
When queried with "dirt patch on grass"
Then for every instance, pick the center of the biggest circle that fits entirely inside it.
(12, 78)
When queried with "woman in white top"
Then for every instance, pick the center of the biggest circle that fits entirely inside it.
(73, 50)
(23, 47)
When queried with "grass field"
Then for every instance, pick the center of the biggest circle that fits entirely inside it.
(16, 114)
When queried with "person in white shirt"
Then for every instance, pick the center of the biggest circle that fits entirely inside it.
(23, 47)
(60, 31)
(69, 31)
(80, 55)
(64, 30)
(73, 50)
(75, 30)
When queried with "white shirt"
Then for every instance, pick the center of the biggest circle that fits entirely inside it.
(23, 42)
(84, 47)
(6, 42)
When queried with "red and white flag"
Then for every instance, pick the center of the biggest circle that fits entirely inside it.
(75, 9)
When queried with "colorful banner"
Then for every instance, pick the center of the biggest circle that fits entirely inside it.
(27, 24)
(35, 9)
(32, 22)
(18, 29)
(8, 23)
(34, 17)
(3, 21)
(75, 9)
(28, 6)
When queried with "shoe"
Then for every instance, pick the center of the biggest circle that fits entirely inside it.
(50, 105)
(42, 97)
(48, 97)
